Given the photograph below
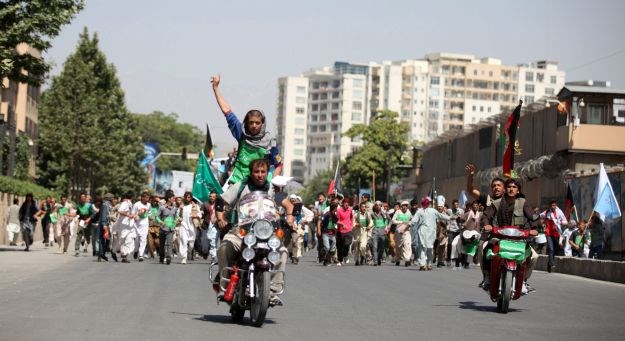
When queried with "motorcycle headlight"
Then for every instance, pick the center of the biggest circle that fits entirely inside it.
(250, 240)
(274, 242)
(263, 229)
(248, 254)
(273, 257)
(511, 232)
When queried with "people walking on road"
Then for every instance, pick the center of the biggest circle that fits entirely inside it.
(104, 227)
(362, 233)
(344, 236)
(28, 217)
(210, 233)
(381, 225)
(126, 227)
(424, 222)
(454, 228)
(167, 215)
(13, 222)
(85, 215)
(154, 226)
(554, 220)
(141, 210)
(403, 241)
(326, 228)
(187, 228)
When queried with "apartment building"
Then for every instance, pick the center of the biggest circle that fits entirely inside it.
(292, 122)
(539, 79)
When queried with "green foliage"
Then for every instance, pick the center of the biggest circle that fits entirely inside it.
(319, 183)
(385, 142)
(171, 136)
(35, 22)
(21, 188)
(22, 155)
(88, 141)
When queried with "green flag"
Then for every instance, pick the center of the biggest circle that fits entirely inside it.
(204, 181)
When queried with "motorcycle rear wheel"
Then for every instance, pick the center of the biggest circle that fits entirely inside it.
(260, 303)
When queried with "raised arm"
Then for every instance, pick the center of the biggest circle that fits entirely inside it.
(474, 192)
(223, 105)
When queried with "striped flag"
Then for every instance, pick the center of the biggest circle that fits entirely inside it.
(335, 184)
(511, 128)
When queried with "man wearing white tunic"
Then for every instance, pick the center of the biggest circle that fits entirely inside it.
(13, 222)
(403, 241)
(126, 227)
(187, 229)
(424, 222)
(141, 210)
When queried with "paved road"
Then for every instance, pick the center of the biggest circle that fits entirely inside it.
(48, 296)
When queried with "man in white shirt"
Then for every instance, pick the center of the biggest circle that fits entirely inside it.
(141, 210)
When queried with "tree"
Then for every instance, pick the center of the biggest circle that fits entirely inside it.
(385, 141)
(34, 22)
(319, 183)
(170, 136)
(88, 141)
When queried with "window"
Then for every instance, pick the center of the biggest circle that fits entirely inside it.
(488, 109)
(549, 91)
(301, 89)
(335, 94)
(300, 120)
(356, 105)
(540, 77)
(315, 85)
(529, 88)
(315, 107)
(473, 108)
(474, 72)
(323, 117)
(481, 109)
(553, 79)
(357, 83)
(490, 73)
(529, 76)
(299, 110)
(323, 106)
(435, 80)
(335, 105)
(335, 127)
(336, 84)
(298, 152)
(323, 96)
(528, 99)
(357, 94)
(299, 131)
(299, 142)
(335, 117)
(315, 97)
(313, 129)
(434, 103)
(595, 114)
(322, 128)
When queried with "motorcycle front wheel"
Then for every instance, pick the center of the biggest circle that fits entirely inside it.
(503, 303)
(236, 313)
(260, 303)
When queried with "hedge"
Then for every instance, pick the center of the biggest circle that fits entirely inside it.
(21, 188)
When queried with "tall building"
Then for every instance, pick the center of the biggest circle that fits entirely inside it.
(441, 93)
(19, 108)
(292, 122)
(539, 79)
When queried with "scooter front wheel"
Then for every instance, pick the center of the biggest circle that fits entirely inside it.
(503, 303)
(260, 303)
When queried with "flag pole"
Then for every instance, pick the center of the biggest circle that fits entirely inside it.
(373, 188)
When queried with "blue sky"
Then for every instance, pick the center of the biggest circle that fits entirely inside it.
(166, 51)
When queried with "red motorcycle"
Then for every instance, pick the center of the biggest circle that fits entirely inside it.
(507, 271)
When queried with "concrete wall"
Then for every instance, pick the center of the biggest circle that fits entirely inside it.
(604, 270)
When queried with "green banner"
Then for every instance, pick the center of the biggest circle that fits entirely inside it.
(204, 181)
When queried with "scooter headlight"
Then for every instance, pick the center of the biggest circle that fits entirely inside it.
(274, 242)
(263, 229)
(274, 257)
(248, 254)
(250, 240)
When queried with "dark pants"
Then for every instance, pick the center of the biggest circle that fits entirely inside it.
(165, 245)
(378, 242)
(553, 247)
(102, 244)
(450, 238)
(596, 251)
(46, 230)
(343, 243)
(28, 229)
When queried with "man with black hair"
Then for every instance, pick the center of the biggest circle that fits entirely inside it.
(510, 210)
(232, 244)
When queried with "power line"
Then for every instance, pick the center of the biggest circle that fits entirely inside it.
(596, 60)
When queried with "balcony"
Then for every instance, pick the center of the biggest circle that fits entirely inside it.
(591, 138)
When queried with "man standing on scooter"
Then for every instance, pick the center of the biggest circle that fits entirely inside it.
(510, 210)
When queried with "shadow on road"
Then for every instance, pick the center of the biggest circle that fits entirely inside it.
(225, 319)
(471, 305)
(14, 248)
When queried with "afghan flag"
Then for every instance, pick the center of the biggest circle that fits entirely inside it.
(335, 184)
(511, 128)
(569, 204)
(204, 181)
(432, 192)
